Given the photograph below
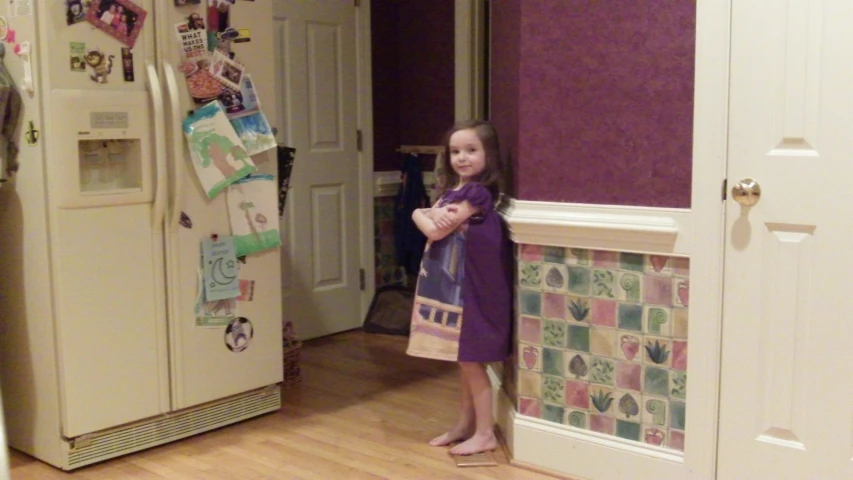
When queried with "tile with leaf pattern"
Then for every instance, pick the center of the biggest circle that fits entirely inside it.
(556, 277)
(604, 283)
(553, 389)
(578, 308)
(629, 287)
(657, 321)
(678, 384)
(577, 366)
(602, 370)
(627, 406)
(530, 274)
(657, 351)
(602, 400)
(554, 333)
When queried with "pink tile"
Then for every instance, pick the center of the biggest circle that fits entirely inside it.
(679, 355)
(530, 407)
(658, 262)
(601, 424)
(603, 312)
(554, 305)
(577, 394)
(676, 440)
(531, 253)
(530, 330)
(654, 436)
(682, 292)
(604, 259)
(658, 290)
(629, 375)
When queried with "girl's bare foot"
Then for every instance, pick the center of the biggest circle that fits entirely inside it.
(476, 444)
(447, 438)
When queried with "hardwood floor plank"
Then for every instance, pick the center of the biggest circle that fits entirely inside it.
(364, 410)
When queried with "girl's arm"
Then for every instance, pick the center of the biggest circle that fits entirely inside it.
(432, 230)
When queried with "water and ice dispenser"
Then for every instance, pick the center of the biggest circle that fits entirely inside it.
(102, 150)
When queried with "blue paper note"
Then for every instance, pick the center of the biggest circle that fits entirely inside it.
(219, 259)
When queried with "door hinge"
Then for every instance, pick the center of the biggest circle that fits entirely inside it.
(725, 187)
(361, 279)
(358, 139)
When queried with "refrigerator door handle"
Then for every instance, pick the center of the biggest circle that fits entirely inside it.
(177, 143)
(159, 208)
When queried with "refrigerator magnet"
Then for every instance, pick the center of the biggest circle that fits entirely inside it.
(226, 70)
(247, 290)
(179, 3)
(238, 334)
(121, 19)
(75, 11)
(78, 54)
(127, 64)
(185, 221)
(101, 65)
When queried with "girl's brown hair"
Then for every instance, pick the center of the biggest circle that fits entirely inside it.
(492, 175)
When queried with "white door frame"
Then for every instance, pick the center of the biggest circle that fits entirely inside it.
(469, 100)
(707, 213)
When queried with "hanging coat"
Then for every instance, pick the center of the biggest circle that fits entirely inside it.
(409, 242)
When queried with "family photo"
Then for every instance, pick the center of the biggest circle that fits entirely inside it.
(122, 19)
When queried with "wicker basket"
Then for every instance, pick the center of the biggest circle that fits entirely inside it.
(291, 363)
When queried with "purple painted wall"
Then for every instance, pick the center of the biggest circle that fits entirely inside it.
(413, 104)
(503, 82)
(605, 100)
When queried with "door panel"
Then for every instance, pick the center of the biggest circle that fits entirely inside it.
(785, 400)
(316, 61)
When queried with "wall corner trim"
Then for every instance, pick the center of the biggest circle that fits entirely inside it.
(607, 227)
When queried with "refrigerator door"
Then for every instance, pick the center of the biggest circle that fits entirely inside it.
(204, 365)
(106, 217)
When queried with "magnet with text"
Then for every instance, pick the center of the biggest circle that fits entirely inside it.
(78, 55)
(238, 334)
(127, 64)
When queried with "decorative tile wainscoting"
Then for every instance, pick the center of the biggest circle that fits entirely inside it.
(610, 303)
(602, 341)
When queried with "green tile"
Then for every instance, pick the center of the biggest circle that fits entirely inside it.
(656, 381)
(554, 390)
(554, 334)
(579, 338)
(530, 274)
(602, 370)
(552, 361)
(554, 254)
(658, 318)
(603, 283)
(576, 419)
(631, 261)
(628, 430)
(677, 415)
(631, 317)
(530, 302)
(553, 414)
(581, 255)
(579, 280)
(679, 385)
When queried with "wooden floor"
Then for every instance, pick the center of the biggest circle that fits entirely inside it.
(364, 410)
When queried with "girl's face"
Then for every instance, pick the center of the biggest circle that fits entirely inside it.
(467, 155)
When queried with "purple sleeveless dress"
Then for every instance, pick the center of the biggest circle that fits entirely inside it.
(462, 308)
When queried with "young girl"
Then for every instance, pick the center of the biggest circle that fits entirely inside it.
(462, 304)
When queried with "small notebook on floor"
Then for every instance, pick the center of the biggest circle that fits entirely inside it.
(482, 459)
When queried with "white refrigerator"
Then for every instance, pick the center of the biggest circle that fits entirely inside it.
(100, 353)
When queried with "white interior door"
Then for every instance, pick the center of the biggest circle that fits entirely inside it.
(786, 396)
(317, 72)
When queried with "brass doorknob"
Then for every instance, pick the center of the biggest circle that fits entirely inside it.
(747, 192)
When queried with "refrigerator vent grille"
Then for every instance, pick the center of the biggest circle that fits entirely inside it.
(173, 426)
